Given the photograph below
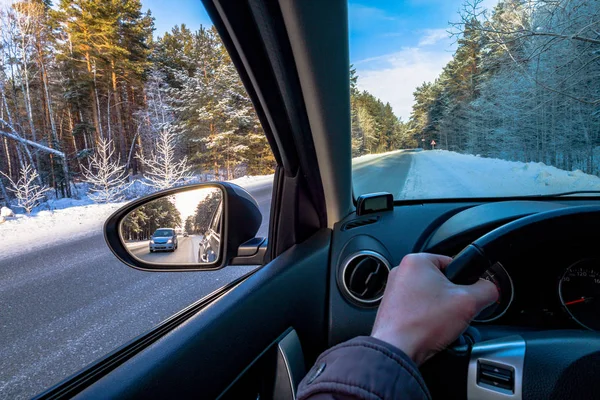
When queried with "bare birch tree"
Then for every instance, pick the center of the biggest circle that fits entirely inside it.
(106, 174)
(27, 192)
(162, 168)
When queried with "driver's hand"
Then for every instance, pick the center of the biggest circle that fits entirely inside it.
(422, 312)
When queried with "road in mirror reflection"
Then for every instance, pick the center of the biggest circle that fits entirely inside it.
(183, 228)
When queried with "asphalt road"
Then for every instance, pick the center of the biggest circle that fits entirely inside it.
(186, 252)
(385, 174)
(63, 307)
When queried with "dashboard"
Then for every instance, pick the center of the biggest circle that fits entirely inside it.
(551, 285)
(545, 291)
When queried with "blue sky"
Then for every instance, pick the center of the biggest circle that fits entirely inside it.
(395, 45)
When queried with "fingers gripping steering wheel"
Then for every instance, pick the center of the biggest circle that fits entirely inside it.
(535, 365)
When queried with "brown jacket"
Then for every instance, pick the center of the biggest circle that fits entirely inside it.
(363, 368)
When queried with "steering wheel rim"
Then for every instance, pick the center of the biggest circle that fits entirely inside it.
(546, 365)
(470, 264)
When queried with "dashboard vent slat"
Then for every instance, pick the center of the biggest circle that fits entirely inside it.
(364, 276)
(360, 222)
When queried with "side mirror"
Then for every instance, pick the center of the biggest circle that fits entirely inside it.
(221, 220)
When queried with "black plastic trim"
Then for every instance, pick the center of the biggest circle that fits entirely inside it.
(471, 263)
(490, 199)
(254, 34)
(453, 233)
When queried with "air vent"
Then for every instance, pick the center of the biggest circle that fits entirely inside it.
(364, 276)
(360, 222)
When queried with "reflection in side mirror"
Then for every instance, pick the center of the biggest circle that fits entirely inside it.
(176, 229)
(199, 227)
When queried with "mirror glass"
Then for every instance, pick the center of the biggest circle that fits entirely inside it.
(182, 228)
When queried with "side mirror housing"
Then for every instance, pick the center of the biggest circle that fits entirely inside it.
(219, 217)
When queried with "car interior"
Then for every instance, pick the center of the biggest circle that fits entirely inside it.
(328, 255)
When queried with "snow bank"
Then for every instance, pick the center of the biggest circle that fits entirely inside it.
(44, 228)
(250, 181)
(61, 220)
(444, 174)
(433, 174)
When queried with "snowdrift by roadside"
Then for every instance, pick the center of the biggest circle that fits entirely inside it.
(25, 233)
(432, 174)
(67, 219)
(445, 174)
(251, 181)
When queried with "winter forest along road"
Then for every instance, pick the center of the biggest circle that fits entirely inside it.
(66, 305)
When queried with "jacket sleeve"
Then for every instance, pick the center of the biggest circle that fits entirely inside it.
(363, 368)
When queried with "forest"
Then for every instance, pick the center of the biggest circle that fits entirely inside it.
(141, 223)
(89, 95)
(523, 85)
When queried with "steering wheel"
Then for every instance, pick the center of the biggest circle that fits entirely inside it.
(559, 364)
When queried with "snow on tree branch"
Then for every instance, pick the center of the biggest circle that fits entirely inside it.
(107, 177)
(27, 192)
(163, 170)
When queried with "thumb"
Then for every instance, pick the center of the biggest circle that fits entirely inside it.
(484, 292)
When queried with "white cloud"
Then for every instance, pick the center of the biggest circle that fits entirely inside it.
(433, 36)
(358, 11)
(394, 77)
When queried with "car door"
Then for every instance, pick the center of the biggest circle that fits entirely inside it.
(255, 337)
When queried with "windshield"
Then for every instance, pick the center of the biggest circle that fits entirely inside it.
(163, 233)
(503, 100)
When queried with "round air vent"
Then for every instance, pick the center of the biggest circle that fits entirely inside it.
(364, 275)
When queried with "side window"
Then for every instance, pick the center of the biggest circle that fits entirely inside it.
(216, 227)
(102, 103)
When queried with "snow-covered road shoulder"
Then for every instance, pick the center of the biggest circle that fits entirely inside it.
(70, 219)
(445, 174)
(45, 228)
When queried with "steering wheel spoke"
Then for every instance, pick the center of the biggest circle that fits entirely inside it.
(496, 369)
(534, 365)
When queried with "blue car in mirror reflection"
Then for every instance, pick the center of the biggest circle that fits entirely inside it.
(163, 239)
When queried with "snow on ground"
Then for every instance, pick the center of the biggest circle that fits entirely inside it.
(44, 228)
(64, 219)
(433, 174)
(250, 181)
(444, 174)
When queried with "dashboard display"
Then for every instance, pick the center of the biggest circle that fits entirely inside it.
(499, 277)
(579, 291)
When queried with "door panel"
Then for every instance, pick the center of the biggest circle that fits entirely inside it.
(275, 374)
(204, 355)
